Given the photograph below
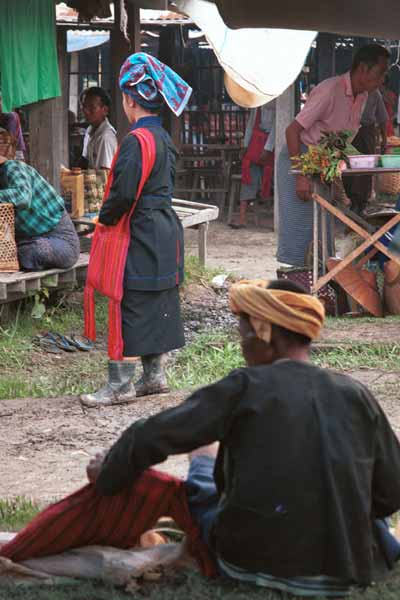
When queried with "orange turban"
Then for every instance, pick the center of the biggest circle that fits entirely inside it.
(300, 313)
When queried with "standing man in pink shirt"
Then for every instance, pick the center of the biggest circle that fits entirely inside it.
(336, 103)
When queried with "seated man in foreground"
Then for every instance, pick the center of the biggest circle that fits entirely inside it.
(307, 459)
(307, 463)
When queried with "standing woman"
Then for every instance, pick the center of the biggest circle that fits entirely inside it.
(151, 319)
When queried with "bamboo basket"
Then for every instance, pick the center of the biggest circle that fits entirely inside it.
(389, 183)
(8, 247)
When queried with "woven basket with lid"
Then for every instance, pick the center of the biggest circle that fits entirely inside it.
(8, 247)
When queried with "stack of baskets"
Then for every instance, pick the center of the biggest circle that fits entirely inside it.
(8, 247)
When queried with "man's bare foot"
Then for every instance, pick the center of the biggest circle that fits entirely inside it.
(210, 450)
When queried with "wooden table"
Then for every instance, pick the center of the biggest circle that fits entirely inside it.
(209, 160)
(14, 286)
(321, 204)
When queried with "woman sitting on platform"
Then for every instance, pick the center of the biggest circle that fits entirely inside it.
(45, 235)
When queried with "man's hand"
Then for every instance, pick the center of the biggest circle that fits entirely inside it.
(303, 188)
(3, 159)
(265, 157)
(94, 467)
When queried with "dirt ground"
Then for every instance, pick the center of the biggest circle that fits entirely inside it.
(46, 443)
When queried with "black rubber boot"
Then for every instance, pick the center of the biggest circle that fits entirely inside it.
(153, 380)
(119, 388)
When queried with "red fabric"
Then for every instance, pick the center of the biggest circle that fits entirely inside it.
(108, 256)
(86, 518)
(390, 101)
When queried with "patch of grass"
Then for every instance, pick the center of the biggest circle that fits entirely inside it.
(195, 272)
(209, 358)
(15, 513)
(187, 586)
(346, 323)
(360, 356)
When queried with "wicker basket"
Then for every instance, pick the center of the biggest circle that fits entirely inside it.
(389, 183)
(8, 247)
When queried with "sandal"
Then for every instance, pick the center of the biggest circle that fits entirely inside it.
(81, 342)
(61, 341)
(46, 344)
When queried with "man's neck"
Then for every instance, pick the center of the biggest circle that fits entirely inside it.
(298, 353)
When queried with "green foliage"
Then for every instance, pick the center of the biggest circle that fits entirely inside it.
(195, 272)
(16, 512)
(209, 358)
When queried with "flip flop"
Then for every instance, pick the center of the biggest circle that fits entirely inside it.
(46, 344)
(61, 341)
(81, 342)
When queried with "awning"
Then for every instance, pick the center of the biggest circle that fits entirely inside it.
(82, 40)
(368, 18)
(264, 62)
(28, 52)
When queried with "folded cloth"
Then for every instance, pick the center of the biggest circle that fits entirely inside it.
(149, 82)
(86, 518)
(300, 313)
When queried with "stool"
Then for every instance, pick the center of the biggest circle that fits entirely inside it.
(234, 198)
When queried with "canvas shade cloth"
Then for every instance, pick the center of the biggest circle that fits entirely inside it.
(28, 52)
(352, 17)
(262, 61)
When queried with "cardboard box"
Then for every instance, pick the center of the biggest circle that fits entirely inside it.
(75, 186)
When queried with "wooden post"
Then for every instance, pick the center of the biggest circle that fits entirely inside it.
(170, 53)
(48, 121)
(64, 79)
(284, 116)
(120, 50)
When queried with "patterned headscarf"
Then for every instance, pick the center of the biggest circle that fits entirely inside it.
(149, 82)
(301, 313)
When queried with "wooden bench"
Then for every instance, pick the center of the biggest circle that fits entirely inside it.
(14, 286)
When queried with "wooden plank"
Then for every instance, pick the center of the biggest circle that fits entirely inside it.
(3, 291)
(199, 218)
(68, 276)
(33, 285)
(202, 242)
(18, 286)
(196, 205)
(349, 259)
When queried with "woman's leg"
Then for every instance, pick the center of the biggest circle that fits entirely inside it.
(58, 248)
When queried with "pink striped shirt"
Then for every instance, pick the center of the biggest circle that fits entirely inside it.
(331, 106)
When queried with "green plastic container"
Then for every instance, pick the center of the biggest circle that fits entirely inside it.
(390, 161)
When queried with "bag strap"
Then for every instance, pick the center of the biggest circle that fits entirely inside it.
(148, 148)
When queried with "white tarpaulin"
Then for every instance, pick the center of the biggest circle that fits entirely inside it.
(82, 40)
(262, 61)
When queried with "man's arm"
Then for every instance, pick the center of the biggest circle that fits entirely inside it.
(205, 417)
(293, 132)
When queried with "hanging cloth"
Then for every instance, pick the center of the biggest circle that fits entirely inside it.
(108, 255)
(252, 156)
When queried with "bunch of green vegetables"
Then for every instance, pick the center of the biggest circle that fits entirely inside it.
(327, 159)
